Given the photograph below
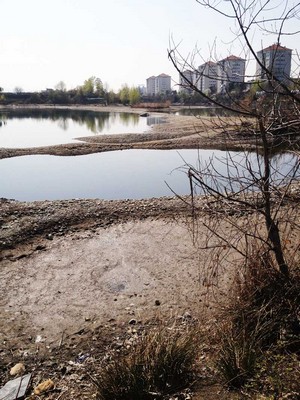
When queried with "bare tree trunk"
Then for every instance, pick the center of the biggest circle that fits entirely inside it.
(272, 226)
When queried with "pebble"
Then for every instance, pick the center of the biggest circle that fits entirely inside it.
(44, 387)
(18, 369)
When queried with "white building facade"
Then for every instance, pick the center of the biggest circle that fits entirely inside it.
(150, 84)
(184, 79)
(157, 85)
(206, 78)
(162, 84)
(231, 70)
(277, 59)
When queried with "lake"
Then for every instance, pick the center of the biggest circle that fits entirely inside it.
(132, 174)
(46, 127)
(127, 174)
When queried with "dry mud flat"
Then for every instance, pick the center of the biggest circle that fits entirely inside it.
(78, 276)
(72, 264)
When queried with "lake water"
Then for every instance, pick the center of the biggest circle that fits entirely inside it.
(45, 127)
(133, 174)
(203, 112)
(127, 174)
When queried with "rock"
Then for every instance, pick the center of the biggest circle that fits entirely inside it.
(44, 387)
(157, 302)
(39, 339)
(187, 316)
(132, 321)
(18, 369)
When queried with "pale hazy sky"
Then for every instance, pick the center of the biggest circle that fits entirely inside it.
(43, 42)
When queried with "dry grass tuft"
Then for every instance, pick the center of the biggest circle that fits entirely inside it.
(263, 317)
(161, 362)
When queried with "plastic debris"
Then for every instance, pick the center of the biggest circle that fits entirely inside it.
(81, 358)
(16, 388)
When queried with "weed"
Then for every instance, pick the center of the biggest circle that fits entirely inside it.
(161, 362)
(263, 314)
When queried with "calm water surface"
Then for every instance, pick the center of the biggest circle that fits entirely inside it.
(133, 174)
(33, 128)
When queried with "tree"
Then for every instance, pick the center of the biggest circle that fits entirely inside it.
(18, 90)
(266, 122)
(134, 95)
(61, 86)
(92, 86)
(124, 94)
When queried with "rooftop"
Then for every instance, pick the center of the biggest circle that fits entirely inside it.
(276, 47)
(233, 58)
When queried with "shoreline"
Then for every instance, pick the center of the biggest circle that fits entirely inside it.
(177, 132)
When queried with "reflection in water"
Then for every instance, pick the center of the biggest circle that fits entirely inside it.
(155, 120)
(44, 127)
(3, 119)
(204, 112)
(94, 121)
(128, 118)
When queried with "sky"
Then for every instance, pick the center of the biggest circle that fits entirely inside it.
(43, 42)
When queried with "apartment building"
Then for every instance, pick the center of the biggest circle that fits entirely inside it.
(206, 78)
(160, 84)
(212, 76)
(276, 59)
(150, 84)
(230, 70)
(184, 79)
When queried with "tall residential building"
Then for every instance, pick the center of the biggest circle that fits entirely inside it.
(163, 84)
(184, 79)
(230, 70)
(276, 59)
(160, 84)
(151, 86)
(206, 78)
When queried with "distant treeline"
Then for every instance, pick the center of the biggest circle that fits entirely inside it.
(52, 97)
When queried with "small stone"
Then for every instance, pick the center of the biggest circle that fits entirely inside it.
(49, 236)
(157, 302)
(187, 316)
(39, 339)
(18, 369)
(132, 321)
